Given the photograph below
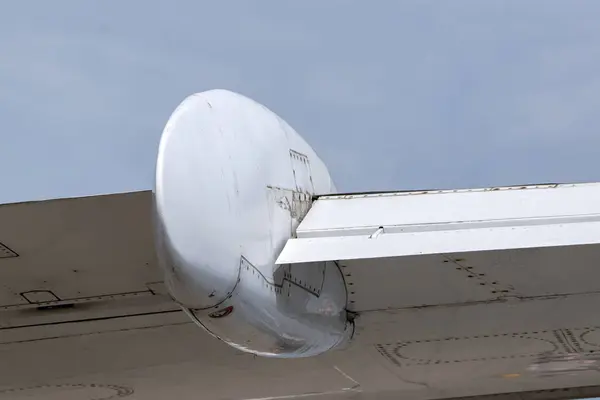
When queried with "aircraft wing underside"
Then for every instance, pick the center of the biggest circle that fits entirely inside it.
(490, 293)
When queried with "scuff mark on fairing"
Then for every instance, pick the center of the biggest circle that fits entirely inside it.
(297, 204)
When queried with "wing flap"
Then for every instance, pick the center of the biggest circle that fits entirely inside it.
(348, 214)
(452, 240)
(345, 227)
(473, 246)
(492, 287)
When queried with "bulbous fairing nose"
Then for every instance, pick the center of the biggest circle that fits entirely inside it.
(232, 180)
(194, 206)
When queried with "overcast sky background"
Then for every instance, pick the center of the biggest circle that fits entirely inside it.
(392, 94)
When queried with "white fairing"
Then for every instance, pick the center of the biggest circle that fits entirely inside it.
(233, 181)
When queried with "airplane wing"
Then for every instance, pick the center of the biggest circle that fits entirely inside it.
(483, 293)
(492, 290)
(84, 315)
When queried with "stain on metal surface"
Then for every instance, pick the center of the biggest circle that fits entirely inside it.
(81, 391)
(302, 172)
(7, 252)
(548, 365)
(411, 192)
(221, 313)
(296, 203)
(74, 300)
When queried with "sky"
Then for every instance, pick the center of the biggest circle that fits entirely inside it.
(391, 94)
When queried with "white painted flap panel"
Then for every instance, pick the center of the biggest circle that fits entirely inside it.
(358, 213)
(438, 242)
(349, 227)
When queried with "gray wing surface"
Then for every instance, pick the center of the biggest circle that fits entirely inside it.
(84, 315)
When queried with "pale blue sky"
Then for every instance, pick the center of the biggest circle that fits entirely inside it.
(392, 94)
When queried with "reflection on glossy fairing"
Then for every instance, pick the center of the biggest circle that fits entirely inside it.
(233, 181)
(290, 320)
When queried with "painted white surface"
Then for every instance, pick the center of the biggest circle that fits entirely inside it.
(232, 182)
(439, 242)
(437, 222)
(339, 215)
